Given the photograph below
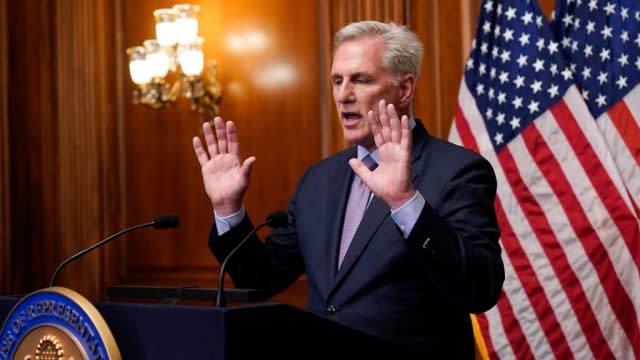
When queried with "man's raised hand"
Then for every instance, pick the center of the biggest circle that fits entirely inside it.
(225, 177)
(391, 181)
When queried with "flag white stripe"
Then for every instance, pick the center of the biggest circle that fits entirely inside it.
(578, 259)
(580, 297)
(520, 302)
(597, 213)
(627, 165)
(496, 335)
(454, 137)
(624, 264)
(632, 100)
(513, 291)
(585, 120)
(602, 224)
(499, 341)
(541, 191)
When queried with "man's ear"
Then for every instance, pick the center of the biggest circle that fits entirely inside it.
(407, 88)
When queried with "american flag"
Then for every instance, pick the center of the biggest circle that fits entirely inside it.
(601, 39)
(570, 235)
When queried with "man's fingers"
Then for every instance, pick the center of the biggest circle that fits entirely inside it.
(384, 120)
(406, 142)
(360, 169)
(221, 134)
(247, 165)
(212, 145)
(394, 123)
(232, 136)
(199, 150)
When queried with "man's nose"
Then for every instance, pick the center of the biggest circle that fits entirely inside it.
(344, 93)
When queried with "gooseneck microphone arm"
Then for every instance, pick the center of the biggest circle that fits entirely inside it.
(159, 222)
(275, 219)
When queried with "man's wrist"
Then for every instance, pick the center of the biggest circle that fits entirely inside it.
(400, 201)
(228, 222)
(225, 210)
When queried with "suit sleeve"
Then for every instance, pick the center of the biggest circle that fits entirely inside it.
(272, 265)
(457, 239)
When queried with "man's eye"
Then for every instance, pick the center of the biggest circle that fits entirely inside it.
(361, 80)
(337, 81)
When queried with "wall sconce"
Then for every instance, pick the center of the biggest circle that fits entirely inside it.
(175, 54)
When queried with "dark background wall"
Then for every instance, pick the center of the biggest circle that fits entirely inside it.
(79, 161)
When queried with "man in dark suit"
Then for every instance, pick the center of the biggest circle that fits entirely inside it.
(425, 254)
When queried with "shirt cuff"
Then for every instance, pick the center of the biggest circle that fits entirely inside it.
(226, 223)
(406, 215)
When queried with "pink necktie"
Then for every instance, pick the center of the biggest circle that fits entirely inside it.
(356, 205)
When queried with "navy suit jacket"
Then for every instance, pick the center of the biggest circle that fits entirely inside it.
(416, 292)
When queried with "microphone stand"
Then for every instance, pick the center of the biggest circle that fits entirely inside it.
(75, 256)
(220, 298)
(275, 219)
(159, 222)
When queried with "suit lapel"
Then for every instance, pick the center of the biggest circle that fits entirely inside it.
(339, 184)
(374, 216)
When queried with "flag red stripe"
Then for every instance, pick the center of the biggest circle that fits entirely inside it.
(511, 325)
(468, 141)
(519, 344)
(627, 127)
(464, 131)
(628, 130)
(634, 204)
(530, 283)
(622, 216)
(615, 292)
(524, 271)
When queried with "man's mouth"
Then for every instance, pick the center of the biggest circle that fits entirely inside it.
(350, 117)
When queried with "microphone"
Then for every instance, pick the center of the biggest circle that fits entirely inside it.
(158, 222)
(275, 219)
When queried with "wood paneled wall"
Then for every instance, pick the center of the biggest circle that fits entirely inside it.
(5, 222)
(60, 116)
(80, 161)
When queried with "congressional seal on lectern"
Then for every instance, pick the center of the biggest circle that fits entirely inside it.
(56, 323)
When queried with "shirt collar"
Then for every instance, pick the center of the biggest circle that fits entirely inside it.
(362, 151)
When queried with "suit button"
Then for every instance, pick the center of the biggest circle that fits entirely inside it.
(331, 310)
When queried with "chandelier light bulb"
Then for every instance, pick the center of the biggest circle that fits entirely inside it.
(186, 23)
(191, 58)
(138, 68)
(165, 27)
(157, 59)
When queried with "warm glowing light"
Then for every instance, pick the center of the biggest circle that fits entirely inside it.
(171, 65)
(140, 74)
(276, 75)
(138, 69)
(165, 27)
(191, 58)
(186, 30)
(186, 23)
(157, 59)
(246, 42)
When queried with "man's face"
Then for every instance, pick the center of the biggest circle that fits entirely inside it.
(359, 82)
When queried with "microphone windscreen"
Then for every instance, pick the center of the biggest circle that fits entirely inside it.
(166, 221)
(277, 219)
